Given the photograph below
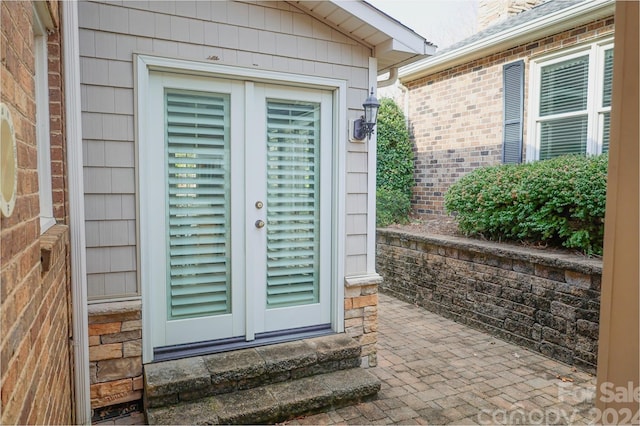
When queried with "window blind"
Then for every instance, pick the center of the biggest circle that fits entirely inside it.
(606, 98)
(563, 136)
(608, 78)
(197, 152)
(293, 136)
(563, 86)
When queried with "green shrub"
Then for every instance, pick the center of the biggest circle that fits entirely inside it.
(559, 201)
(392, 206)
(394, 165)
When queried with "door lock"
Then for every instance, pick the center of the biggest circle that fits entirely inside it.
(259, 224)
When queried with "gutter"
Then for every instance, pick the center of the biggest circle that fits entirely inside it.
(393, 76)
(551, 24)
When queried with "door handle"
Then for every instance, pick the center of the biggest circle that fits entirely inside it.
(259, 224)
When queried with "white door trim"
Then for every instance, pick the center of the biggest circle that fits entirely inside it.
(144, 64)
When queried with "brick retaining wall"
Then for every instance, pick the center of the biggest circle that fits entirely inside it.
(546, 301)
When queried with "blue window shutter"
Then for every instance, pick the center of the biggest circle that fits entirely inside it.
(513, 105)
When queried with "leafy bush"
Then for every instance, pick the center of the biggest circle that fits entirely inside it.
(394, 165)
(392, 206)
(559, 201)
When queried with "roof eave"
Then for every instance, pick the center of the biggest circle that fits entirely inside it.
(402, 46)
(538, 28)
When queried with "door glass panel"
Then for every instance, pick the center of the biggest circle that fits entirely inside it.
(293, 144)
(198, 264)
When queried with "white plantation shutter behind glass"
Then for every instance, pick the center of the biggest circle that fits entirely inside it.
(198, 211)
(293, 139)
(563, 89)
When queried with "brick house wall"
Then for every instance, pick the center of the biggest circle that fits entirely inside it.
(35, 367)
(456, 115)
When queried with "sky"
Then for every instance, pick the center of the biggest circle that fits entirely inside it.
(442, 22)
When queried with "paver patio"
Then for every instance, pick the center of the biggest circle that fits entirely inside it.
(436, 371)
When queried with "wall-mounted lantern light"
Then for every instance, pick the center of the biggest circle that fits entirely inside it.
(363, 126)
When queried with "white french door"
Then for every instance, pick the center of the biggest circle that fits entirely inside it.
(236, 212)
(290, 171)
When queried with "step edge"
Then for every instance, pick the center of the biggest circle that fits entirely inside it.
(284, 409)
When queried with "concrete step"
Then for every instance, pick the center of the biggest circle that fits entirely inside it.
(276, 402)
(189, 379)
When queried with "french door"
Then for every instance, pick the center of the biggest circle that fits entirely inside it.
(237, 188)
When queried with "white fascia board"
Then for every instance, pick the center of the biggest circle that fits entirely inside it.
(385, 24)
(553, 23)
(395, 45)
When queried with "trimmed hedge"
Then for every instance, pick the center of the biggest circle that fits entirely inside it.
(394, 173)
(392, 206)
(560, 201)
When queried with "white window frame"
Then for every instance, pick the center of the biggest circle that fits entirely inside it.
(594, 110)
(43, 140)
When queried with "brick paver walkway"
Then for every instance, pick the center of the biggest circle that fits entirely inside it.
(436, 371)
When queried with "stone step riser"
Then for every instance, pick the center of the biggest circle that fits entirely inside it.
(275, 402)
(172, 382)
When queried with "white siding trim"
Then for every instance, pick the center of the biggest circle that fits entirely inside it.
(158, 63)
(43, 140)
(371, 180)
(339, 185)
(76, 213)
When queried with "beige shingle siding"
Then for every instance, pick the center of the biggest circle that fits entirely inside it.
(265, 35)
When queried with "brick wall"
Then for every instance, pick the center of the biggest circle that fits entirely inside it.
(545, 301)
(35, 368)
(115, 354)
(456, 115)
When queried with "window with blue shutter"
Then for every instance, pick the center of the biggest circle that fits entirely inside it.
(513, 107)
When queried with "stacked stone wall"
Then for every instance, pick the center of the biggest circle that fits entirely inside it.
(115, 355)
(545, 301)
(361, 315)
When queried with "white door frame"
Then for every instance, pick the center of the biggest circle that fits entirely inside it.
(144, 64)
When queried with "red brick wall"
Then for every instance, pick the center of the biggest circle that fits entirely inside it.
(35, 368)
(456, 115)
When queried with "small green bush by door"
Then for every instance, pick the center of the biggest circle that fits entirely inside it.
(394, 165)
(559, 201)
